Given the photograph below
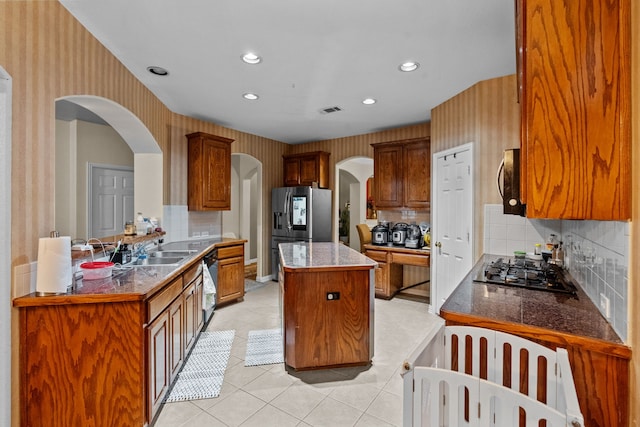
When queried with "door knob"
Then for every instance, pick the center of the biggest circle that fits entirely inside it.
(438, 244)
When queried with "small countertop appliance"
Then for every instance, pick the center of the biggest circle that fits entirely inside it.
(380, 235)
(414, 237)
(399, 233)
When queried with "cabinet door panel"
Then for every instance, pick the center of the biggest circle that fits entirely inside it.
(189, 317)
(291, 172)
(199, 294)
(308, 170)
(575, 108)
(417, 175)
(209, 172)
(217, 172)
(176, 337)
(158, 362)
(230, 279)
(387, 165)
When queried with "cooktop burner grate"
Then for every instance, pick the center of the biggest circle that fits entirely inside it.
(528, 274)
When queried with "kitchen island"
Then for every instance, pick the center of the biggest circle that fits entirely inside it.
(327, 303)
(599, 359)
(106, 352)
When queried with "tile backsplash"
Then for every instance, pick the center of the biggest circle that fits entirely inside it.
(182, 224)
(598, 258)
(596, 254)
(504, 234)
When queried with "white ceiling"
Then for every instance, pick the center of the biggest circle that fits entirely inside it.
(316, 54)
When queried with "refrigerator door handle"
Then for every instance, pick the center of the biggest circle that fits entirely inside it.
(289, 198)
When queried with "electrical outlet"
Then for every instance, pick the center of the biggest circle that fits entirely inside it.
(333, 296)
(605, 307)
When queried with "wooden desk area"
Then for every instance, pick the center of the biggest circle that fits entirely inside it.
(390, 260)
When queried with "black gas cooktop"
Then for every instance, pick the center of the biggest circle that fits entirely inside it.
(525, 273)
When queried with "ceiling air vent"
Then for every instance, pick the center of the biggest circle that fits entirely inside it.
(330, 110)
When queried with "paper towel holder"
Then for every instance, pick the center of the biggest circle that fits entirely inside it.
(54, 261)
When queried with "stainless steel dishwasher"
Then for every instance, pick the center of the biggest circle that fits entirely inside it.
(209, 303)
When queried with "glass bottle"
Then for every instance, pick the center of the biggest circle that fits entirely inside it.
(537, 249)
(560, 255)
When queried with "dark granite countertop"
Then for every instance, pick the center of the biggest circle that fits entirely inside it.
(574, 316)
(130, 283)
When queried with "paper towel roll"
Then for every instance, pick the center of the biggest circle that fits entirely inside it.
(54, 265)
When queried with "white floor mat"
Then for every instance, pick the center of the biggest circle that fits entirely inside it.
(264, 347)
(202, 374)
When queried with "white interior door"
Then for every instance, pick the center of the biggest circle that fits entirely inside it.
(452, 226)
(111, 199)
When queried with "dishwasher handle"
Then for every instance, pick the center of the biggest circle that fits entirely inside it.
(211, 257)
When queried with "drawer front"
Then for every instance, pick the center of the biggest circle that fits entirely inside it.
(230, 251)
(161, 301)
(192, 273)
(410, 259)
(380, 256)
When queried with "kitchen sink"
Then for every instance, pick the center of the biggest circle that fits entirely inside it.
(162, 260)
(171, 254)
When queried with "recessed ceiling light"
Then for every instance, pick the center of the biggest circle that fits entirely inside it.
(409, 66)
(368, 101)
(251, 58)
(158, 71)
(250, 96)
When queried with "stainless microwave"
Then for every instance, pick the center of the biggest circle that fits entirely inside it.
(508, 182)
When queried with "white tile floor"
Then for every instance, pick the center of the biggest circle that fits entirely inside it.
(269, 396)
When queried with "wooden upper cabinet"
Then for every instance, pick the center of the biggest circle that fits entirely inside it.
(574, 64)
(417, 174)
(306, 168)
(402, 172)
(387, 173)
(209, 181)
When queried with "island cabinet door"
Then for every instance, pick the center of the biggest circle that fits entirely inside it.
(327, 318)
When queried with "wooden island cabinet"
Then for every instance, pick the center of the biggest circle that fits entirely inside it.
(327, 305)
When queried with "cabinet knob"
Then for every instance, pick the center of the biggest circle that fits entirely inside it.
(438, 244)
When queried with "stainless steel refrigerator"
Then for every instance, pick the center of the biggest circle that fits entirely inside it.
(298, 214)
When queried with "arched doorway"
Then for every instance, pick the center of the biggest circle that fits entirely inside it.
(147, 155)
(351, 188)
(244, 220)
